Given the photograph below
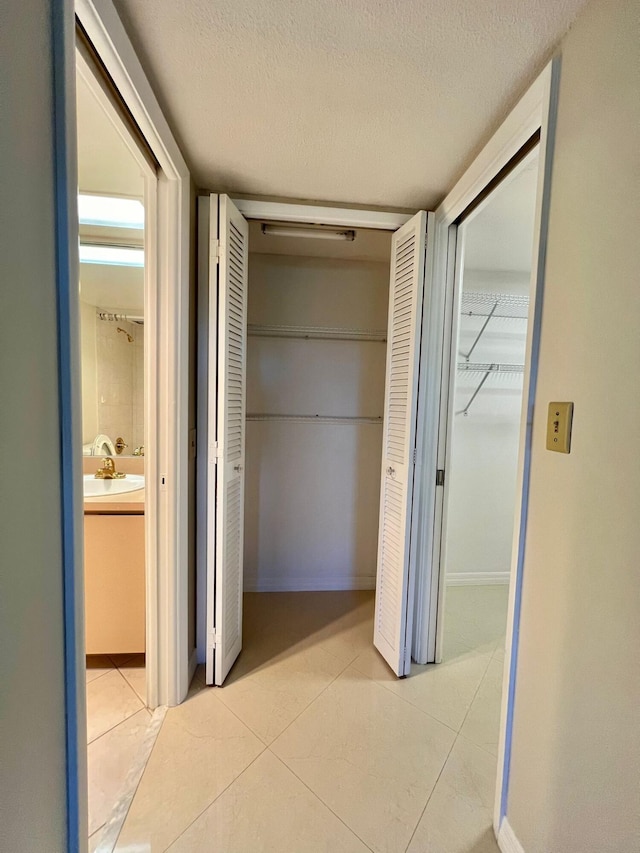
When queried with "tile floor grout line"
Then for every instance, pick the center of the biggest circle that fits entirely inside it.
(217, 797)
(484, 675)
(407, 702)
(306, 707)
(113, 827)
(119, 723)
(444, 764)
(319, 798)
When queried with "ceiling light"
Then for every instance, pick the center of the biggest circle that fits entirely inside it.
(318, 233)
(120, 256)
(110, 211)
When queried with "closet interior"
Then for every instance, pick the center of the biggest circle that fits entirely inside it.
(316, 353)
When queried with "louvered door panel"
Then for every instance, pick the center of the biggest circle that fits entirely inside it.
(231, 385)
(393, 611)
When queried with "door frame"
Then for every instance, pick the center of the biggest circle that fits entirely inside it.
(167, 400)
(535, 112)
(251, 208)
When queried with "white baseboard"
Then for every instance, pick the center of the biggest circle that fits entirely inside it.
(507, 840)
(307, 584)
(476, 578)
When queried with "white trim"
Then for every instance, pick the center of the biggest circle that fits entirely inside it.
(302, 583)
(519, 126)
(87, 73)
(507, 839)
(548, 113)
(100, 21)
(476, 578)
(318, 215)
(534, 111)
(516, 130)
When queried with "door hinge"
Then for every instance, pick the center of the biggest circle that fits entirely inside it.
(213, 639)
(440, 477)
(215, 250)
(415, 455)
(214, 453)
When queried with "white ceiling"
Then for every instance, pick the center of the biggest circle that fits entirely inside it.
(500, 235)
(367, 102)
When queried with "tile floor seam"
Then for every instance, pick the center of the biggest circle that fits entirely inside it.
(416, 707)
(119, 723)
(444, 764)
(306, 708)
(480, 683)
(319, 798)
(217, 797)
(467, 739)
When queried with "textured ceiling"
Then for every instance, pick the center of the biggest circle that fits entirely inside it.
(379, 102)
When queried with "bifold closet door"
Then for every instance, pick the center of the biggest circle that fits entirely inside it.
(394, 584)
(228, 260)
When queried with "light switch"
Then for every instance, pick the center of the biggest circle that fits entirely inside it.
(559, 427)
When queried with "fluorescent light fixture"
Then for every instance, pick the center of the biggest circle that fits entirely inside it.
(109, 211)
(318, 232)
(119, 256)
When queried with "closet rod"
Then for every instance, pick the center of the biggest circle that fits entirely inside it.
(315, 419)
(316, 333)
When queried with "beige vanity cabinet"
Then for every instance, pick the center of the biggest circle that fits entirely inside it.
(114, 573)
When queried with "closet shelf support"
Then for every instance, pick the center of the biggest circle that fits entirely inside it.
(467, 355)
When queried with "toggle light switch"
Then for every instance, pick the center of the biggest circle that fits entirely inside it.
(559, 427)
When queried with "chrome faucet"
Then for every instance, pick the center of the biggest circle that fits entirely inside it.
(108, 471)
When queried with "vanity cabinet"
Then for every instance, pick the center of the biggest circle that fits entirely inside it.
(114, 577)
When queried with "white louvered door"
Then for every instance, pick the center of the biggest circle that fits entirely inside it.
(224, 613)
(394, 584)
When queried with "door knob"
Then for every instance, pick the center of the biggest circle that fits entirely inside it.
(237, 468)
(391, 471)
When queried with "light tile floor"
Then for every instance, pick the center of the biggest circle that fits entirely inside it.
(117, 719)
(313, 745)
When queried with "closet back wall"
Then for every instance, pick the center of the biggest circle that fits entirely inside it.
(312, 487)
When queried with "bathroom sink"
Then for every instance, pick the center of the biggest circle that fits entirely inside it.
(93, 488)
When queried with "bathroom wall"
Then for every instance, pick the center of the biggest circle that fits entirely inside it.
(112, 379)
(88, 356)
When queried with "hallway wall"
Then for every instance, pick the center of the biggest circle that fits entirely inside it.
(32, 681)
(574, 784)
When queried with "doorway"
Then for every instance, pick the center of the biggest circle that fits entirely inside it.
(494, 258)
(329, 405)
(115, 182)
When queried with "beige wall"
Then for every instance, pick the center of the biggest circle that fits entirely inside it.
(575, 777)
(32, 698)
(312, 489)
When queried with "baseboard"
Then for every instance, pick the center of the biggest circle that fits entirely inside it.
(306, 584)
(507, 840)
(476, 578)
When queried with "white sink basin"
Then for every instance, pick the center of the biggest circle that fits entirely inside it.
(93, 488)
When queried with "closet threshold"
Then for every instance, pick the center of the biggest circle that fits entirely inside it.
(329, 333)
(344, 420)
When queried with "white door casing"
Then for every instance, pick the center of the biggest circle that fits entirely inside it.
(395, 578)
(229, 235)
